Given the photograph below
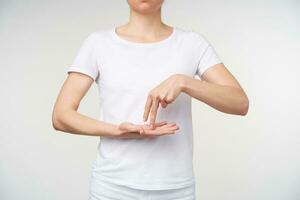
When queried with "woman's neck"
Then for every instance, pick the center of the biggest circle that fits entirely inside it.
(145, 26)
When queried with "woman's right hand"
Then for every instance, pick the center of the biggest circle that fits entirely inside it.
(130, 130)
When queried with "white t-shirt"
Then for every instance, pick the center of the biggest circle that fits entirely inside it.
(125, 72)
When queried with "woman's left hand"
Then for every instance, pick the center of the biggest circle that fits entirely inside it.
(164, 94)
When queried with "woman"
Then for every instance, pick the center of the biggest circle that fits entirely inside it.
(144, 72)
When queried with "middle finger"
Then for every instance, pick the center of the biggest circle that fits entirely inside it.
(154, 108)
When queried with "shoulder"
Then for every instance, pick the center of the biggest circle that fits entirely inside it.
(192, 36)
(98, 39)
(100, 34)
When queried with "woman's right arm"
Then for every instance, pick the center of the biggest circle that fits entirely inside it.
(65, 116)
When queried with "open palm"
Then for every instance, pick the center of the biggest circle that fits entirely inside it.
(131, 130)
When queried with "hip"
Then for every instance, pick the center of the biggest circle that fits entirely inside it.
(104, 190)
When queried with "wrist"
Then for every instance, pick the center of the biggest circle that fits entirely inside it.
(114, 131)
(184, 83)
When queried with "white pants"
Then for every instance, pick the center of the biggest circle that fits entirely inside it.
(101, 190)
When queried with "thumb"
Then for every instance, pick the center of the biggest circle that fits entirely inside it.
(133, 127)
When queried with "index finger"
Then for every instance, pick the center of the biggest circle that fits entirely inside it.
(147, 108)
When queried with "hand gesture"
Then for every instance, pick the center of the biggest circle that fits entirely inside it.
(129, 130)
(164, 94)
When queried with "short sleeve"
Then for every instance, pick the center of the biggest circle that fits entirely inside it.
(208, 56)
(85, 60)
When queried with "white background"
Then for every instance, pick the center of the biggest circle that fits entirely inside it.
(252, 157)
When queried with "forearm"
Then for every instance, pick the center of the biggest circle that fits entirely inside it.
(226, 99)
(74, 122)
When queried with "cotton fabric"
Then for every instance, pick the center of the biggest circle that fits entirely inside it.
(125, 72)
(102, 190)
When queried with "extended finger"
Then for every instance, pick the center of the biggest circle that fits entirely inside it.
(154, 108)
(175, 127)
(147, 108)
(161, 123)
(170, 130)
(168, 126)
(162, 131)
(159, 132)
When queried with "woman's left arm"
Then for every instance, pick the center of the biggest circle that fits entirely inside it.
(219, 89)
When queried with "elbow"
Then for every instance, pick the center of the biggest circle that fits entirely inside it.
(57, 121)
(244, 108)
(55, 125)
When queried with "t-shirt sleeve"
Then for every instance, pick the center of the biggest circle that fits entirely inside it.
(85, 60)
(207, 56)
